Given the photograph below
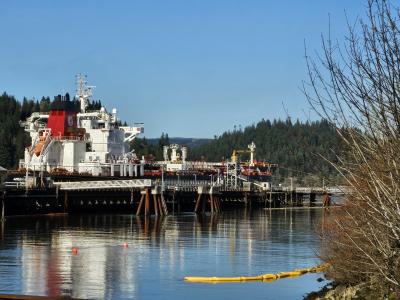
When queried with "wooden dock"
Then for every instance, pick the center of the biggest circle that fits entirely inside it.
(155, 197)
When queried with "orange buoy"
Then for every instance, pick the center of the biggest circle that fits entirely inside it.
(74, 251)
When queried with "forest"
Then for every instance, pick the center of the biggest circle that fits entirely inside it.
(301, 149)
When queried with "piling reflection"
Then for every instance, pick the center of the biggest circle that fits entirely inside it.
(36, 256)
(1, 231)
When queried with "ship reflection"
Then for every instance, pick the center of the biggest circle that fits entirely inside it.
(117, 254)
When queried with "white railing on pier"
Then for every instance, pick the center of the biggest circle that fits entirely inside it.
(308, 190)
(104, 185)
(14, 184)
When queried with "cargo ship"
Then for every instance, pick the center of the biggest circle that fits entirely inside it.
(65, 141)
(71, 144)
(80, 144)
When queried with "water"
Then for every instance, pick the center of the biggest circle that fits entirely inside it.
(36, 256)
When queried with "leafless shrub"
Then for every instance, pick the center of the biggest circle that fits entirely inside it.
(357, 88)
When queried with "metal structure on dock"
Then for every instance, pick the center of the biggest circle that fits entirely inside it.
(158, 197)
(103, 185)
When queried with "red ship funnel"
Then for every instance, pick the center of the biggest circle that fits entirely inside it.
(62, 117)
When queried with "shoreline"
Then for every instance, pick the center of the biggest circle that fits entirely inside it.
(340, 291)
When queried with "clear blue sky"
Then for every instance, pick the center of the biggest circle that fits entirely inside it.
(188, 68)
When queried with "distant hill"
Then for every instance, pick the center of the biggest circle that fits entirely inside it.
(189, 142)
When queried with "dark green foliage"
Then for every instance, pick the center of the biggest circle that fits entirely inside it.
(296, 147)
(44, 104)
(144, 148)
(164, 140)
(300, 149)
(12, 136)
(93, 105)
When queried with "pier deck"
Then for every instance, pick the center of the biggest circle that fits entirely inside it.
(155, 196)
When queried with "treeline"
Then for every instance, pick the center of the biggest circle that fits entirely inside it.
(299, 148)
(13, 139)
(151, 151)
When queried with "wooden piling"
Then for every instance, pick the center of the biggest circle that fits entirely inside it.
(218, 205)
(178, 202)
(2, 224)
(155, 204)
(66, 201)
(161, 205)
(146, 225)
(3, 210)
(164, 205)
(158, 204)
(203, 209)
(140, 205)
(173, 203)
(147, 203)
(196, 208)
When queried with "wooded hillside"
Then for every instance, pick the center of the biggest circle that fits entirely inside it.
(298, 148)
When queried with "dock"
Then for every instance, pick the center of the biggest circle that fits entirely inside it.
(157, 197)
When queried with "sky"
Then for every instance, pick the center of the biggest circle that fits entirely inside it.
(190, 68)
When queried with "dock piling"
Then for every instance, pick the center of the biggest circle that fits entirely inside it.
(66, 201)
(196, 208)
(147, 203)
(140, 204)
(155, 204)
(3, 210)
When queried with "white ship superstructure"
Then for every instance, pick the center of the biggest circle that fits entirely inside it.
(89, 142)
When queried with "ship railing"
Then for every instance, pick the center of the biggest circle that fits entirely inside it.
(104, 184)
(14, 184)
(70, 138)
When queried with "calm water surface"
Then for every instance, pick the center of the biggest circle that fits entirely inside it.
(36, 256)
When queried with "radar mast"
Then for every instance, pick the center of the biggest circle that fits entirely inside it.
(83, 91)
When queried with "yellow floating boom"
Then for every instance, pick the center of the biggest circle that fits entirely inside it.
(263, 277)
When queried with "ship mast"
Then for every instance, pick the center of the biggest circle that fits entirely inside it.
(83, 91)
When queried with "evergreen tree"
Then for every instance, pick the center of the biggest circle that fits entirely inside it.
(44, 104)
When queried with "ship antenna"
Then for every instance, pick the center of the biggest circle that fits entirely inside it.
(83, 91)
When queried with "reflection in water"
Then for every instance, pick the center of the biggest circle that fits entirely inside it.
(36, 257)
